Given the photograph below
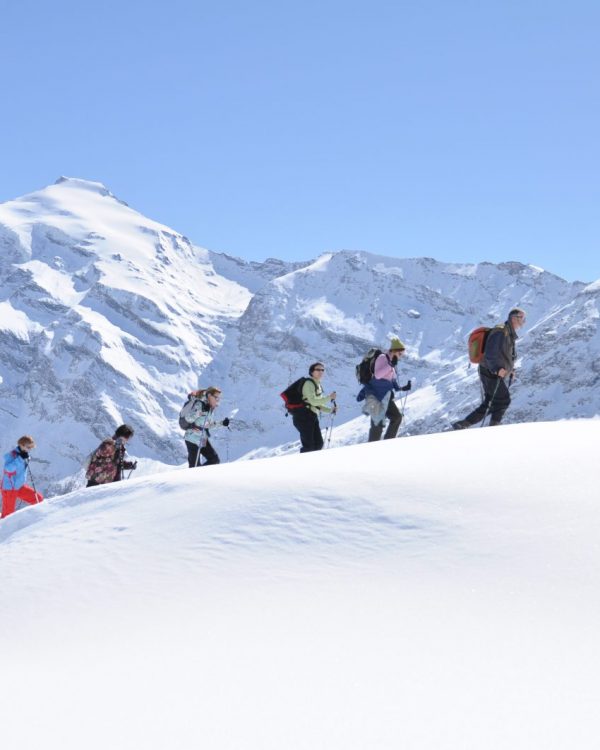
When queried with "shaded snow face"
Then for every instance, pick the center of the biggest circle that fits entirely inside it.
(109, 317)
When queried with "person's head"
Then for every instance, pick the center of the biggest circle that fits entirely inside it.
(396, 349)
(213, 396)
(316, 370)
(125, 432)
(516, 317)
(26, 443)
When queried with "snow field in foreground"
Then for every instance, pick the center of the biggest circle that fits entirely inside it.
(375, 596)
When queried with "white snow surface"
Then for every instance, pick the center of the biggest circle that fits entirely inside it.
(438, 591)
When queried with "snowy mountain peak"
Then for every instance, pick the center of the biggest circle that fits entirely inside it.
(107, 316)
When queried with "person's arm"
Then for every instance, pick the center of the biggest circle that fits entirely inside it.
(493, 358)
(309, 396)
(11, 461)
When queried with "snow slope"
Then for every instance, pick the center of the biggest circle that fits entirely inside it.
(433, 591)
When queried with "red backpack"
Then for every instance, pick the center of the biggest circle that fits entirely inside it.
(476, 344)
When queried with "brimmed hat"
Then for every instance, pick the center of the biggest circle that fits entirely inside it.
(396, 344)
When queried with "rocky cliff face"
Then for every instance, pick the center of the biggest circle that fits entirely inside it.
(108, 317)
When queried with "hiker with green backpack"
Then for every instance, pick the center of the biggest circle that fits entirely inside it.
(305, 401)
(495, 351)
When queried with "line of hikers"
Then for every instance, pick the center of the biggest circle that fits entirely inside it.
(494, 350)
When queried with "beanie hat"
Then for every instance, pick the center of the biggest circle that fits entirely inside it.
(396, 344)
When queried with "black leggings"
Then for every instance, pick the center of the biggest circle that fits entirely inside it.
(207, 451)
(307, 424)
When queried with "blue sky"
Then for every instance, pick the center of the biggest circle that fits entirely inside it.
(463, 131)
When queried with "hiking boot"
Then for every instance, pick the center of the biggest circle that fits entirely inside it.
(462, 424)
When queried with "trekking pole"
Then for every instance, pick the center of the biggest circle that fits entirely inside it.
(200, 446)
(330, 427)
(32, 483)
(403, 412)
(489, 408)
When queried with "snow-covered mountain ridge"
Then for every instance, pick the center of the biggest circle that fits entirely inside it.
(107, 316)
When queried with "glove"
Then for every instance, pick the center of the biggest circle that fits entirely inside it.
(406, 387)
(225, 422)
(130, 465)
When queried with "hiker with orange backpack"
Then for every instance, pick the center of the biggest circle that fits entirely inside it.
(496, 363)
(16, 463)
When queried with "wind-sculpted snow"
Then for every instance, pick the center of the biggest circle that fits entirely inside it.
(107, 316)
(382, 596)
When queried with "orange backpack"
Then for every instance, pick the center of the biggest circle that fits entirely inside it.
(476, 344)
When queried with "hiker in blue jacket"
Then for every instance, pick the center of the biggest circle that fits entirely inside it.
(16, 463)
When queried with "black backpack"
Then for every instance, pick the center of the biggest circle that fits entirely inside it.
(364, 369)
(292, 396)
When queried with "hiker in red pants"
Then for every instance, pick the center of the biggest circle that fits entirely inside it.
(14, 475)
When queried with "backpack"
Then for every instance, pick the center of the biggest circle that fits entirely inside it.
(292, 396)
(365, 368)
(186, 410)
(102, 467)
(476, 344)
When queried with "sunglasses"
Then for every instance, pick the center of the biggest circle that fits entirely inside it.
(319, 369)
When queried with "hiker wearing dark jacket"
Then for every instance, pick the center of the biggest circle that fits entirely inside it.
(496, 367)
(108, 461)
(16, 463)
(306, 419)
(378, 393)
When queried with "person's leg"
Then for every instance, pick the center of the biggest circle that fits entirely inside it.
(375, 432)
(317, 435)
(29, 495)
(305, 426)
(488, 384)
(192, 450)
(499, 404)
(209, 454)
(9, 499)
(393, 414)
